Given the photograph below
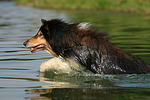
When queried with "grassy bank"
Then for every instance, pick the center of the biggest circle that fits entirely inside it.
(139, 6)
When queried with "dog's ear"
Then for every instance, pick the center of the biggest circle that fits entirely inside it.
(44, 21)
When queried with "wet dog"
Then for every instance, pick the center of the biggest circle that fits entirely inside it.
(80, 47)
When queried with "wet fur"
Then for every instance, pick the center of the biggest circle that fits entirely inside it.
(91, 49)
(61, 65)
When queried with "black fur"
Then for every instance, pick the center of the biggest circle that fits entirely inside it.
(90, 49)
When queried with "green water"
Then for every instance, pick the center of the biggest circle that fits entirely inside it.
(19, 76)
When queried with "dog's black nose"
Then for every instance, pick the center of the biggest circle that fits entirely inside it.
(25, 43)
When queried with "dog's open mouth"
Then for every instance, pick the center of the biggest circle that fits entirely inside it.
(37, 48)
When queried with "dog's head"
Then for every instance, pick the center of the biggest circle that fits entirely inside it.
(57, 37)
(39, 42)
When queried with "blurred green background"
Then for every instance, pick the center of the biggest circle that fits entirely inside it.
(138, 6)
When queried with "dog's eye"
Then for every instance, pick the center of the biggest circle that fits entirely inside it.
(40, 35)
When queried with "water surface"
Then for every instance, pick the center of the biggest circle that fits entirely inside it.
(19, 76)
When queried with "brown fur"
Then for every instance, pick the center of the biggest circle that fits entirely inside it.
(106, 47)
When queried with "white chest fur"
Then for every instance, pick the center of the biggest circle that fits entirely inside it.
(61, 65)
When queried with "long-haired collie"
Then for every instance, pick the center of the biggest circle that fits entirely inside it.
(80, 47)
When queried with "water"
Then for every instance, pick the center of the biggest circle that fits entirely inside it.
(19, 76)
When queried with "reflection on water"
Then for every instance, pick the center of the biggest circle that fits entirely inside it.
(92, 87)
(19, 76)
(90, 94)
